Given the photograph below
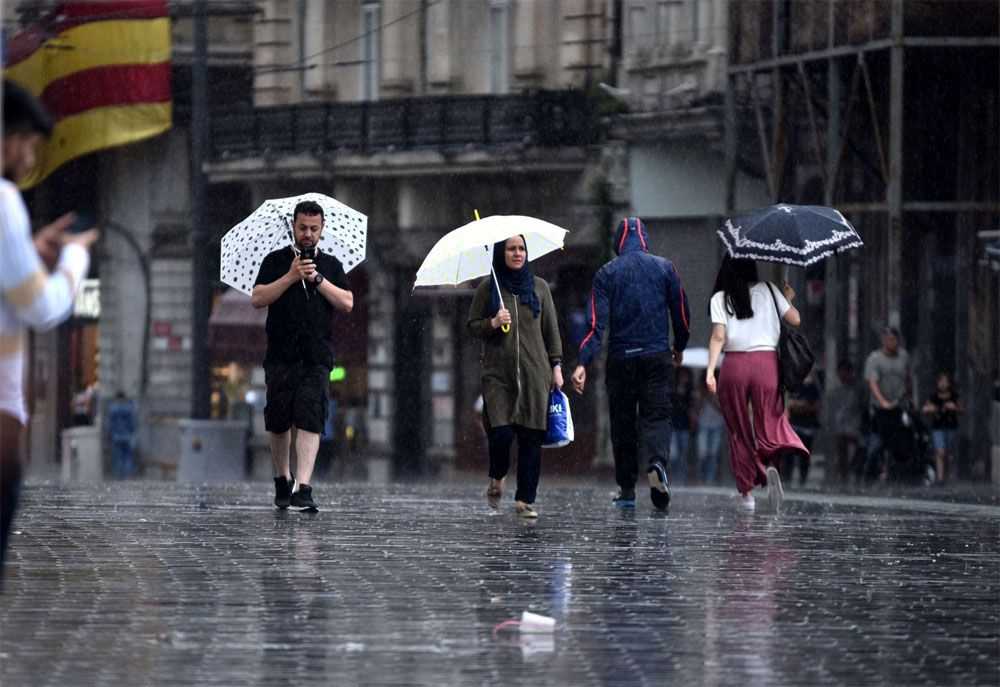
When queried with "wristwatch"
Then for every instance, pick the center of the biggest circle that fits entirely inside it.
(318, 279)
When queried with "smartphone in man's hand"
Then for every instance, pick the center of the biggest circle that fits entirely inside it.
(82, 223)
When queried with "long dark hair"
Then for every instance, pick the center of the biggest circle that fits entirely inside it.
(732, 279)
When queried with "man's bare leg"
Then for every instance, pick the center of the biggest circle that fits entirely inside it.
(306, 448)
(281, 444)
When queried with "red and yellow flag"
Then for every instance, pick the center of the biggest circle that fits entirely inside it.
(102, 69)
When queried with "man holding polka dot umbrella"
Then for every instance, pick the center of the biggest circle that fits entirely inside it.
(292, 256)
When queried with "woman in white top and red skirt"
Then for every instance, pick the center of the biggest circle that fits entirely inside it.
(746, 315)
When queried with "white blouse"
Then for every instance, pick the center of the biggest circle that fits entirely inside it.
(757, 333)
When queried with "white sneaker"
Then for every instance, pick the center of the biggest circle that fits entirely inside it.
(747, 502)
(775, 494)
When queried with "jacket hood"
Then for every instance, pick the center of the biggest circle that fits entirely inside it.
(631, 236)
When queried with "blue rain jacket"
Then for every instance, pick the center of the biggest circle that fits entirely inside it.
(639, 292)
(121, 420)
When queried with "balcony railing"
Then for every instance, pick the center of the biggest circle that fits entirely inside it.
(544, 119)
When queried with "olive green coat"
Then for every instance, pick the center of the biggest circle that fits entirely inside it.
(517, 366)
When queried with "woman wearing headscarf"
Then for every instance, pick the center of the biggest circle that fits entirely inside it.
(520, 367)
(746, 324)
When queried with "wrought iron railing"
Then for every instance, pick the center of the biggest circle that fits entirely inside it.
(544, 119)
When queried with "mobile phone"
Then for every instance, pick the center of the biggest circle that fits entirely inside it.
(308, 254)
(83, 222)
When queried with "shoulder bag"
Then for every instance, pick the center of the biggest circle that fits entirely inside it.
(795, 357)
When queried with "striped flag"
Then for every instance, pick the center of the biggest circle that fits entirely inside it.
(102, 69)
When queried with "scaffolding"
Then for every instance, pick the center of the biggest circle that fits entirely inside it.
(886, 110)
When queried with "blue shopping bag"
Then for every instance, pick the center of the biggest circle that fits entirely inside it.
(560, 424)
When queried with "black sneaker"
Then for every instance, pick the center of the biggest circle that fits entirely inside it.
(303, 499)
(283, 491)
(659, 492)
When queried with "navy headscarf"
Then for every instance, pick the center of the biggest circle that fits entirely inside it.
(520, 282)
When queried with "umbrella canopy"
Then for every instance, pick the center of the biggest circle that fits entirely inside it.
(467, 252)
(270, 228)
(791, 234)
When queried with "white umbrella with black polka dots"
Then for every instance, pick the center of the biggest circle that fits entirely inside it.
(270, 228)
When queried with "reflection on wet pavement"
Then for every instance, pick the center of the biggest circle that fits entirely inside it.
(140, 584)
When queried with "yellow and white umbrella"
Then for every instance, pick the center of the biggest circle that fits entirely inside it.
(467, 252)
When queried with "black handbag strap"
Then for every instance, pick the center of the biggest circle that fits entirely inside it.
(777, 310)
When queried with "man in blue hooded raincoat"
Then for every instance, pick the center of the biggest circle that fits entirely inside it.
(638, 296)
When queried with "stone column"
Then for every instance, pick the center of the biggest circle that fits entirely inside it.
(275, 45)
(439, 47)
(400, 47)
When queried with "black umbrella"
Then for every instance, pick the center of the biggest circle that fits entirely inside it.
(791, 234)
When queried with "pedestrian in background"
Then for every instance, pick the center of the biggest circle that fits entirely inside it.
(680, 422)
(30, 296)
(804, 415)
(746, 323)
(890, 388)
(639, 296)
(301, 287)
(520, 368)
(83, 406)
(121, 421)
(845, 419)
(943, 407)
(711, 430)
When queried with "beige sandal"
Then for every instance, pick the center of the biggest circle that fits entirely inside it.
(494, 493)
(525, 510)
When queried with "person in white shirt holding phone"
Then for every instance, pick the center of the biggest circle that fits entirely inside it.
(31, 296)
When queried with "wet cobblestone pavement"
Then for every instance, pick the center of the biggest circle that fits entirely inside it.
(151, 584)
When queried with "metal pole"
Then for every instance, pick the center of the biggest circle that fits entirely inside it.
(894, 190)
(200, 284)
(832, 298)
(731, 145)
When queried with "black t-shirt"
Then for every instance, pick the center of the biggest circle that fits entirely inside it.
(298, 323)
(943, 418)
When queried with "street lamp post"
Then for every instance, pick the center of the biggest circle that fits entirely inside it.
(200, 302)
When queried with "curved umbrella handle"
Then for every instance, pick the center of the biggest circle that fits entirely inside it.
(504, 327)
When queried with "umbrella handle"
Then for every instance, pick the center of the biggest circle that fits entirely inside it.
(504, 327)
(295, 250)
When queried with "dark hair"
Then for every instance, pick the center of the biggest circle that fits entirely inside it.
(23, 113)
(732, 279)
(845, 364)
(309, 208)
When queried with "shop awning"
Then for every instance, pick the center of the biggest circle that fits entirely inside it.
(236, 330)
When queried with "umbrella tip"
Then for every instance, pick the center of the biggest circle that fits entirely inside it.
(475, 211)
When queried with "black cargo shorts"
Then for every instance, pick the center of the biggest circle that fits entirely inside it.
(297, 394)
